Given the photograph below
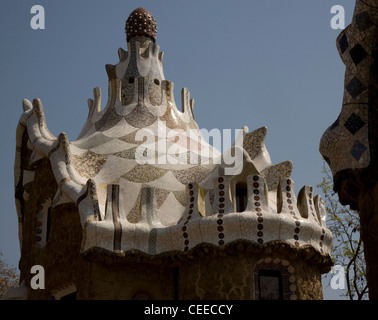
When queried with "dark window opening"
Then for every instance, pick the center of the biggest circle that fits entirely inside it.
(270, 285)
(241, 196)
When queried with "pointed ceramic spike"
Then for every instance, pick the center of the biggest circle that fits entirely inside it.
(192, 107)
(97, 99)
(240, 135)
(26, 105)
(63, 139)
(90, 107)
(240, 138)
(90, 104)
(303, 202)
(36, 101)
(122, 54)
(65, 146)
(185, 103)
(37, 106)
(274, 172)
(38, 110)
(96, 93)
(254, 144)
(306, 203)
(320, 210)
(111, 71)
(161, 56)
(260, 133)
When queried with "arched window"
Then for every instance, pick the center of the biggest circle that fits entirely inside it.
(270, 284)
(274, 280)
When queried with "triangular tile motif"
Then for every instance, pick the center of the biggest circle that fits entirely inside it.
(144, 173)
(343, 43)
(363, 21)
(358, 54)
(134, 214)
(161, 196)
(180, 197)
(355, 87)
(89, 164)
(354, 123)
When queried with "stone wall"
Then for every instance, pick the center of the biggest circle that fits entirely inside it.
(126, 282)
(234, 276)
(204, 273)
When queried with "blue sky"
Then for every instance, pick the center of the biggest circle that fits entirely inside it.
(256, 63)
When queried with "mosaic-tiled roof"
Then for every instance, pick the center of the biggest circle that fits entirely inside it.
(143, 176)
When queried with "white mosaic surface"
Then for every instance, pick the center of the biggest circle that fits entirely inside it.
(159, 207)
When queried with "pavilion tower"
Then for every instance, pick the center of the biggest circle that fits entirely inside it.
(140, 206)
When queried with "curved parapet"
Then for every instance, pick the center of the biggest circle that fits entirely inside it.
(295, 222)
